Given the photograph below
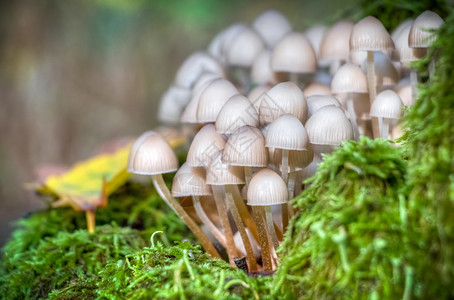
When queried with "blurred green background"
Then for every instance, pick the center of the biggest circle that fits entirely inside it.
(76, 74)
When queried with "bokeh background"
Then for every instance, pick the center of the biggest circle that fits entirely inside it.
(76, 74)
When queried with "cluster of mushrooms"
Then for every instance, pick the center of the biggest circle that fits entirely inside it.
(263, 103)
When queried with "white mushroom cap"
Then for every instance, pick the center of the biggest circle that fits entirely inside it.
(219, 44)
(194, 66)
(349, 79)
(398, 30)
(257, 94)
(329, 126)
(388, 105)
(189, 114)
(287, 132)
(236, 112)
(246, 147)
(315, 36)
(420, 35)
(267, 188)
(403, 52)
(219, 173)
(336, 44)
(151, 155)
(189, 181)
(272, 26)
(294, 54)
(316, 102)
(317, 89)
(213, 98)
(244, 48)
(285, 97)
(369, 34)
(261, 72)
(205, 147)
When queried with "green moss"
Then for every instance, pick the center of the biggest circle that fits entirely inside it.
(181, 271)
(37, 271)
(430, 149)
(346, 240)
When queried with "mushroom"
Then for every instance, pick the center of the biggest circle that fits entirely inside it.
(257, 94)
(241, 53)
(272, 26)
(335, 45)
(219, 174)
(286, 133)
(350, 81)
(315, 35)
(317, 89)
(261, 72)
(218, 45)
(266, 189)
(190, 182)
(194, 66)
(283, 98)
(294, 55)
(316, 102)
(152, 155)
(405, 91)
(405, 54)
(246, 148)
(370, 35)
(422, 33)
(327, 128)
(387, 108)
(215, 95)
(238, 111)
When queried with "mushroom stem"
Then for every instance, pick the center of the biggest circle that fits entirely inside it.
(90, 216)
(352, 114)
(241, 228)
(285, 208)
(414, 84)
(244, 212)
(264, 245)
(165, 194)
(247, 175)
(218, 194)
(372, 88)
(270, 227)
(244, 77)
(383, 124)
(207, 222)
